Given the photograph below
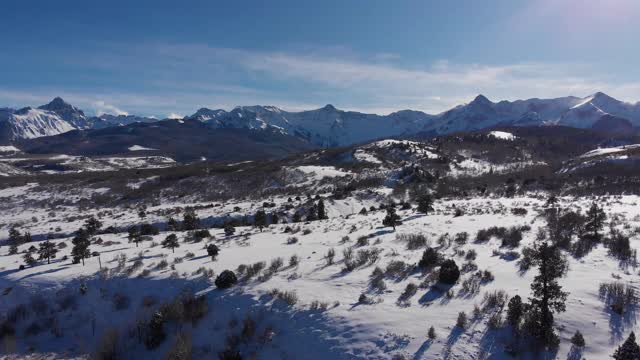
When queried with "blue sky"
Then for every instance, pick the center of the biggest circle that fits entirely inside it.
(168, 57)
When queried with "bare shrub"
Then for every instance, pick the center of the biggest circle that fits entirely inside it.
(181, 348)
(107, 348)
(618, 296)
(121, 301)
(396, 269)
(294, 260)
(410, 290)
(362, 241)
(471, 255)
(494, 300)
(462, 321)
(331, 254)
(413, 241)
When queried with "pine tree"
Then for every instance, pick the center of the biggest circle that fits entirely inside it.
(92, 225)
(29, 259)
(134, 235)
(171, 242)
(260, 219)
(425, 204)
(595, 220)
(629, 350)
(213, 251)
(173, 225)
(296, 217)
(312, 214)
(548, 296)
(577, 339)
(321, 211)
(48, 251)
(392, 219)
(363, 211)
(190, 220)
(229, 229)
(15, 239)
(275, 218)
(81, 243)
(515, 310)
(431, 333)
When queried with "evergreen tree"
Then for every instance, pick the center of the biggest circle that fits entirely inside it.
(363, 211)
(81, 243)
(595, 220)
(552, 200)
(449, 272)
(312, 214)
(392, 219)
(92, 225)
(173, 225)
(515, 310)
(29, 259)
(213, 251)
(48, 251)
(134, 235)
(425, 204)
(260, 219)
(321, 211)
(274, 218)
(171, 242)
(629, 350)
(548, 296)
(190, 220)
(296, 217)
(15, 239)
(577, 339)
(229, 229)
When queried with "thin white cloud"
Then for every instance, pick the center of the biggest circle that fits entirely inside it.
(103, 108)
(182, 78)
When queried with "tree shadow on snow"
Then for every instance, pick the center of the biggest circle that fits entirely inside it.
(419, 354)
(437, 291)
(618, 323)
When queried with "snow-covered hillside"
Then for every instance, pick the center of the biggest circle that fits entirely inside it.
(303, 302)
(30, 123)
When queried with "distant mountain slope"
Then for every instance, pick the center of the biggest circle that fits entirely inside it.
(325, 127)
(182, 140)
(28, 123)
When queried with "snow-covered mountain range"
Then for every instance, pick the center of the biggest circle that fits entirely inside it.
(328, 126)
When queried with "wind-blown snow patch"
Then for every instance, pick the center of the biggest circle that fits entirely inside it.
(317, 173)
(502, 135)
(362, 155)
(9, 149)
(611, 150)
(140, 148)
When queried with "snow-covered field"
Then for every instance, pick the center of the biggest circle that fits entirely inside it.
(327, 320)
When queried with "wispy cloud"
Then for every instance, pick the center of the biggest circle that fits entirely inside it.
(160, 79)
(103, 108)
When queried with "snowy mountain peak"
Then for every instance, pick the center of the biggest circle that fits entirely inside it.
(329, 107)
(67, 112)
(58, 105)
(481, 100)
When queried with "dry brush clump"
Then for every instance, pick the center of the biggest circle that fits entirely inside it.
(618, 296)
(413, 241)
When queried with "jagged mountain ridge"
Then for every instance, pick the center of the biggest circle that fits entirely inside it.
(330, 127)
